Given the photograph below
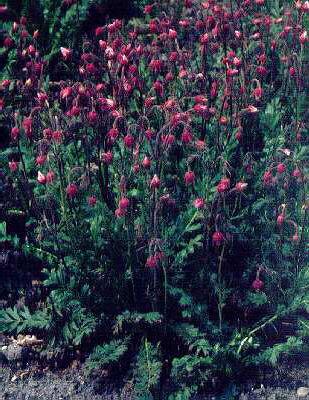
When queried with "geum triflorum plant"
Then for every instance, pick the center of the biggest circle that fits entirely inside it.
(165, 187)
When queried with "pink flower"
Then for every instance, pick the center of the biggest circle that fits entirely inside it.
(146, 162)
(41, 178)
(107, 157)
(155, 182)
(15, 133)
(152, 262)
(281, 168)
(257, 284)
(223, 185)
(92, 117)
(57, 136)
(40, 160)
(128, 140)
(13, 165)
(267, 178)
(186, 136)
(71, 190)
(280, 219)
(119, 213)
(92, 200)
(217, 238)
(241, 186)
(50, 176)
(124, 203)
(27, 125)
(199, 203)
(99, 30)
(189, 178)
(66, 53)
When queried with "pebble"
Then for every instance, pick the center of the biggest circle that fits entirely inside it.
(302, 391)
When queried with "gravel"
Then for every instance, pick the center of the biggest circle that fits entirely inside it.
(288, 382)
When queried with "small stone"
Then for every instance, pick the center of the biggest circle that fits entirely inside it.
(302, 391)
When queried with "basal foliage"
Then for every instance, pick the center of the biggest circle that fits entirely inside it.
(163, 182)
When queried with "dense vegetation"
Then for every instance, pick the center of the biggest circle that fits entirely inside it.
(153, 175)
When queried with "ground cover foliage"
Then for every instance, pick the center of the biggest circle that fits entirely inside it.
(153, 174)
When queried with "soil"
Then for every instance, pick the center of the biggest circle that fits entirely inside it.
(280, 383)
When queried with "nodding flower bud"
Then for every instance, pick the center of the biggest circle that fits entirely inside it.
(13, 165)
(119, 213)
(15, 133)
(217, 238)
(66, 53)
(148, 8)
(267, 178)
(199, 203)
(149, 134)
(99, 30)
(40, 160)
(92, 117)
(257, 284)
(189, 178)
(152, 262)
(48, 133)
(281, 168)
(146, 162)
(280, 219)
(27, 125)
(223, 185)
(92, 200)
(155, 182)
(124, 203)
(240, 186)
(107, 157)
(186, 136)
(128, 140)
(50, 176)
(71, 190)
(41, 178)
(296, 173)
